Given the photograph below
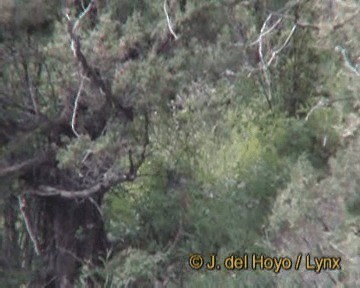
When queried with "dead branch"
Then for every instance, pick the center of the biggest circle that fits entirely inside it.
(110, 179)
(266, 59)
(87, 70)
(264, 66)
(264, 33)
(26, 217)
(102, 186)
(83, 14)
(169, 22)
(73, 118)
(25, 165)
(322, 103)
(277, 51)
(18, 167)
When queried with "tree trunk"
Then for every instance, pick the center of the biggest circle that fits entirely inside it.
(73, 236)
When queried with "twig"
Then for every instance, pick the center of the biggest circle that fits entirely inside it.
(168, 22)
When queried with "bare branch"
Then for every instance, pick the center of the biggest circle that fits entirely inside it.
(87, 70)
(322, 102)
(73, 118)
(264, 66)
(264, 63)
(277, 51)
(17, 167)
(110, 179)
(82, 15)
(87, 154)
(27, 164)
(82, 5)
(22, 205)
(260, 40)
(267, 31)
(298, 23)
(169, 22)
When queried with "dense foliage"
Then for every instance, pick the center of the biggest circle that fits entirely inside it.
(134, 133)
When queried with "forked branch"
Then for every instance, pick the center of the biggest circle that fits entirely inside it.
(87, 70)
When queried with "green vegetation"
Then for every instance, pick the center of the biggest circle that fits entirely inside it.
(126, 146)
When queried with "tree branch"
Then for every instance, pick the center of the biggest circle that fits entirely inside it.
(169, 22)
(277, 51)
(89, 71)
(73, 118)
(264, 66)
(26, 217)
(25, 165)
(110, 178)
(264, 33)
